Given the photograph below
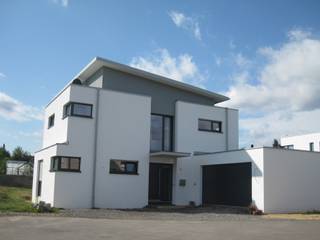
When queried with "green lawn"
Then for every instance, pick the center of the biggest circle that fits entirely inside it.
(14, 199)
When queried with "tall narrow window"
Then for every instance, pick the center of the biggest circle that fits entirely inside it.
(311, 146)
(51, 121)
(161, 133)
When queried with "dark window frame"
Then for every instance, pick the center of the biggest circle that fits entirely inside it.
(163, 131)
(125, 172)
(59, 169)
(39, 182)
(72, 114)
(311, 146)
(211, 124)
(51, 120)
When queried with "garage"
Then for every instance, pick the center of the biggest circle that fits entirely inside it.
(227, 184)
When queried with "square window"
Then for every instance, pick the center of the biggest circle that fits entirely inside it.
(74, 164)
(216, 126)
(204, 125)
(131, 167)
(64, 164)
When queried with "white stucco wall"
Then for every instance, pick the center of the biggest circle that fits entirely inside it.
(58, 133)
(124, 134)
(302, 142)
(73, 190)
(48, 178)
(190, 168)
(291, 180)
(189, 139)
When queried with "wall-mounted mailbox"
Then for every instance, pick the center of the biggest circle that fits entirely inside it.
(182, 182)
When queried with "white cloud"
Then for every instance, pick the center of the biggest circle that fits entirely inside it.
(188, 23)
(286, 93)
(298, 34)
(2, 75)
(181, 68)
(63, 3)
(241, 61)
(12, 109)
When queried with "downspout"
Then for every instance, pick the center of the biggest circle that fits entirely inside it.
(95, 150)
(227, 129)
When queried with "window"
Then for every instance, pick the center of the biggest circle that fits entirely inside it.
(123, 167)
(311, 146)
(51, 121)
(65, 164)
(40, 169)
(209, 125)
(161, 133)
(78, 110)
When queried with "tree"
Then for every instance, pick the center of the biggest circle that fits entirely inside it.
(276, 144)
(19, 154)
(4, 156)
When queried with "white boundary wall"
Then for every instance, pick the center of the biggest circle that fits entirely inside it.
(291, 180)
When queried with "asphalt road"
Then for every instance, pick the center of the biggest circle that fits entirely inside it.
(47, 228)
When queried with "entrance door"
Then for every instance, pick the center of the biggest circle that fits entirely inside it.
(227, 184)
(160, 183)
(39, 182)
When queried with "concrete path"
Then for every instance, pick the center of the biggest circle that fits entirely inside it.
(47, 228)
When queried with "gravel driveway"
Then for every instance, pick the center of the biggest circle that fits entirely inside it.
(146, 224)
(152, 226)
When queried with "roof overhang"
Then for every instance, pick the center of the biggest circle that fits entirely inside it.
(170, 154)
(99, 62)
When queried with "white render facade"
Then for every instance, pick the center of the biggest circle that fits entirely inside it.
(308, 142)
(118, 137)
(118, 128)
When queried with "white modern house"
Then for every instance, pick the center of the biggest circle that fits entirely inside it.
(119, 137)
(308, 142)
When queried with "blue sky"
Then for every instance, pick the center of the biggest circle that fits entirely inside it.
(263, 54)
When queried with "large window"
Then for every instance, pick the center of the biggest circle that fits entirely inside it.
(209, 125)
(161, 133)
(65, 164)
(77, 109)
(51, 121)
(123, 167)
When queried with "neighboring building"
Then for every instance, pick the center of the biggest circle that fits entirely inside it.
(16, 167)
(308, 142)
(119, 137)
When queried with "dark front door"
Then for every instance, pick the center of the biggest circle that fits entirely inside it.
(160, 183)
(227, 184)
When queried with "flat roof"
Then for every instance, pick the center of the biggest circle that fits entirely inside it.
(99, 62)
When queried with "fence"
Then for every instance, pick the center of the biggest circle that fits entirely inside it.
(16, 181)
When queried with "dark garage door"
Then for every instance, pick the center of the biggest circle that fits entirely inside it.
(227, 184)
